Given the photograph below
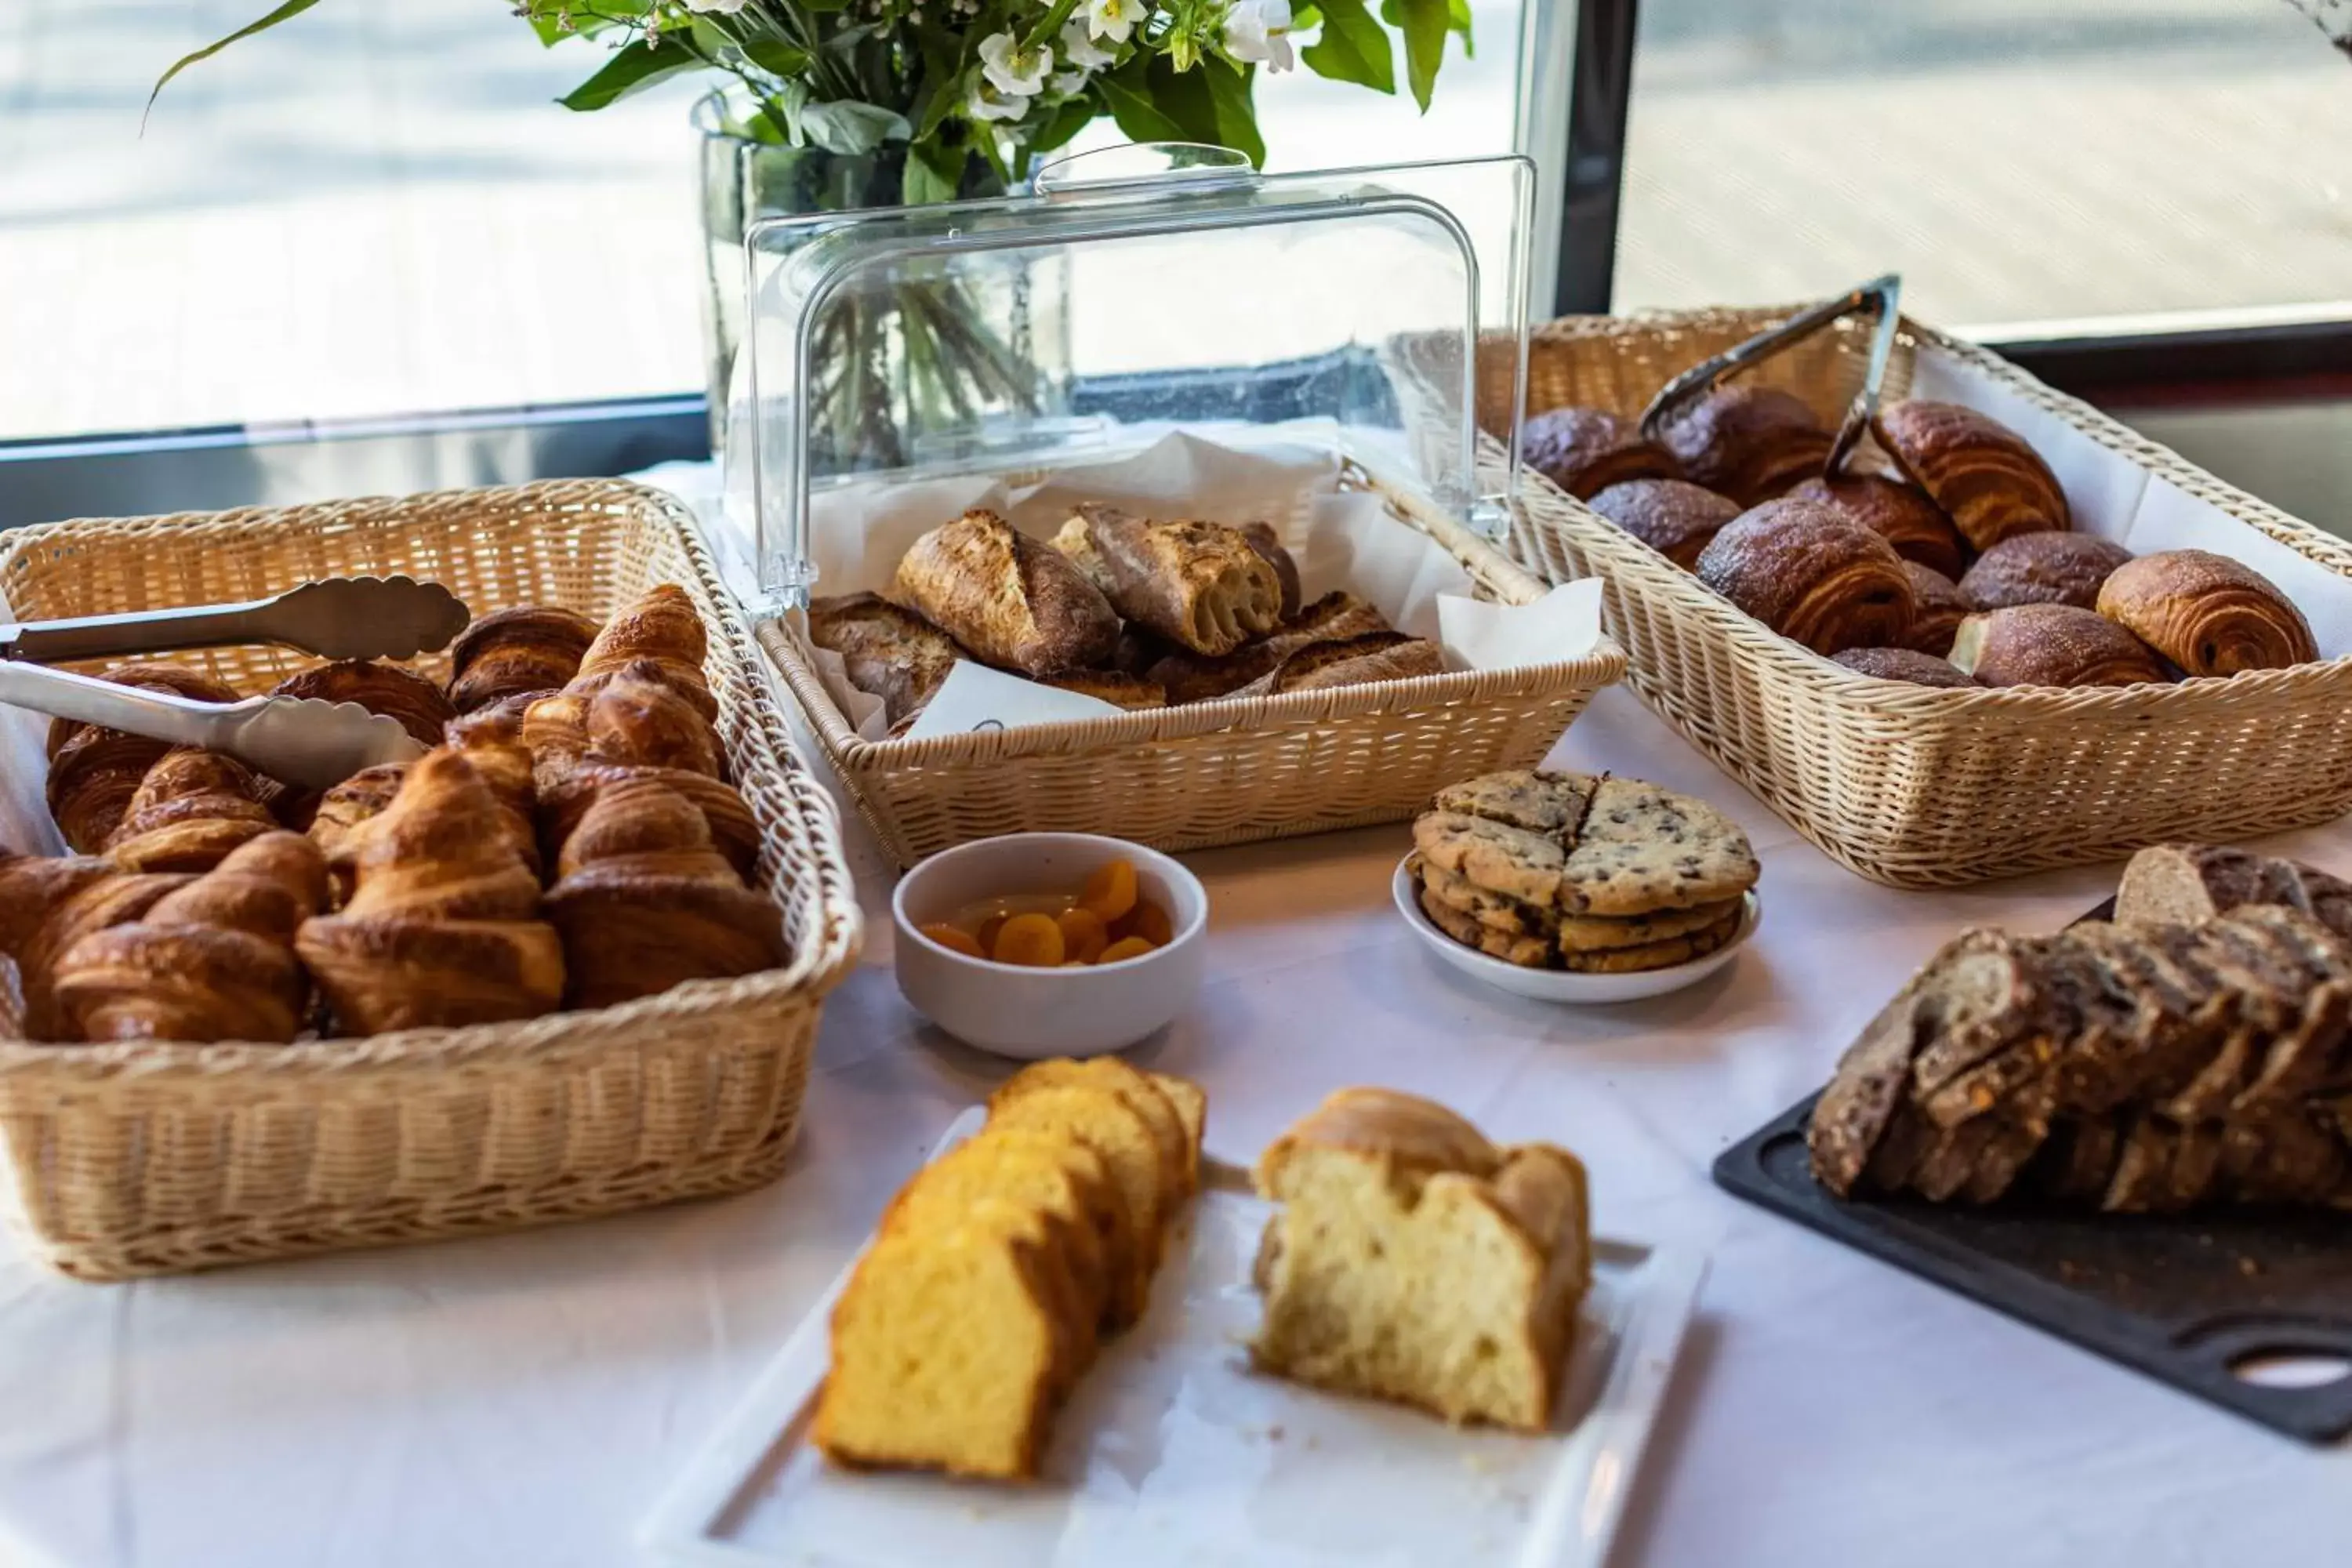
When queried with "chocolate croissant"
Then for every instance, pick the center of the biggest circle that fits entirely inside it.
(2052, 644)
(1937, 610)
(210, 961)
(663, 628)
(1017, 602)
(1904, 664)
(2043, 569)
(2206, 613)
(1898, 513)
(1982, 473)
(1201, 585)
(47, 904)
(646, 901)
(1749, 442)
(95, 770)
(1673, 517)
(422, 708)
(1586, 450)
(443, 926)
(532, 647)
(734, 832)
(1812, 575)
(192, 807)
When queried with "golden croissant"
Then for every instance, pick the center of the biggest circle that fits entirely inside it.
(492, 741)
(532, 647)
(342, 815)
(421, 707)
(192, 807)
(442, 927)
(646, 901)
(733, 831)
(47, 904)
(213, 960)
(95, 770)
(662, 628)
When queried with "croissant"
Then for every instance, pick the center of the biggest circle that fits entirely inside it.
(1746, 441)
(443, 926)
(421, 707)
(48, 904)
(534, 648)
(192, 807)
(492, 741)
(210, 961)
(554, 732)
(638, 720)
(646, 901)
(343, 816)
(95, 770)
(1987, 479)
(733, 830)
(663, 627)
(1812, 575)
(2205, 613)
(1898, 513)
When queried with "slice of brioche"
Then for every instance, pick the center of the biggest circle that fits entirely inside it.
(1412, 1260)
(1098, 1119)
(946, 1349)
(1178, 1162)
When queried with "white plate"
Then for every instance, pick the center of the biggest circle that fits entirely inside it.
(1173, 1452)
(1564, 985)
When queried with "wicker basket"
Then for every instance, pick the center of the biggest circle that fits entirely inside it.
(1218, 772)
(1922, 787)
(152, 1158)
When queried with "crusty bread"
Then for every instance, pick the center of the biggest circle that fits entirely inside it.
(1201, 585)
(1378, 656)
(1132, 692)
(885, 651)
(2182, 884)
(1335, 617)
(1016, 602)
(1414, 1260)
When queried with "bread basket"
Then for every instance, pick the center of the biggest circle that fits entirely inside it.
(1922, 787)
(154, 1158)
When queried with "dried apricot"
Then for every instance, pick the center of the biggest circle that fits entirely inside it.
(955, 939)
(1110, 890)
(990, 928)
(1083, 936)
(1033, 941)
(1148, 920)
(1127, 947)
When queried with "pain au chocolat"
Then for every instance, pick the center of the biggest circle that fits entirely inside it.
(2205, 613)
(1901, 514)
(1937, 610)
(2052, 644)
(1988, 480)
(1749, 442)
(1673, 517)
(2043, 569)
(1586, 450)
(1812, 575)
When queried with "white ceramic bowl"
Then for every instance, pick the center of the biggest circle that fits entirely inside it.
(1563, 985)
(1031, 1014)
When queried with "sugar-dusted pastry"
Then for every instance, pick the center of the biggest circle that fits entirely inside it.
(1813, 575)
(2043, 569)
(885, 651)
(1899, 513)
(2052, 644)
(1376, 656)
(531, 648)
(2207, 613)
(1586, 450)
(210, 961)
(1747, 441)
(1937, 610)
(421, 707)
(1015, 602)
(1982, 473)
(95, 770)
(192, 807)
(1412, 1260)
(1337, 616)
(660, 626)
(1673, 517)
(1201, 585)
(1904, 664)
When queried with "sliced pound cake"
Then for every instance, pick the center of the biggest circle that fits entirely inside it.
(1414, 1260)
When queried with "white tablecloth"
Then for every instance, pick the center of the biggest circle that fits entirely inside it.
(522, 1400)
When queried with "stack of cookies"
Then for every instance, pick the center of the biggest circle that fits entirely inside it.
(1564, 871)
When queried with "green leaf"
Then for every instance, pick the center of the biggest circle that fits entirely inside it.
(1066, 123)
(637, 66)
(776, 57)
(1460, 18)
(286, 13)
(846, 126)
(1127, 90)
(1154, 102)
(1425, 23)
(1236, 114)
(934, 173)
(1353, 47)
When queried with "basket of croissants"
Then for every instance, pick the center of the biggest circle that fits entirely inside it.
(1943, 663)
(566, 962)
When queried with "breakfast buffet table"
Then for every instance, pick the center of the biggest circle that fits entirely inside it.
(524, 1399)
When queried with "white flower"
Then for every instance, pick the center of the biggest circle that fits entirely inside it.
(1009, 69)
(1068, 84)
(1081, 50)
(1115, 19)
(985, 102)
(1257, 32)
(724, 8)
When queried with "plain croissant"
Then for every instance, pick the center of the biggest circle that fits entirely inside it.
(47, 904)
(95, 770)
(533, 647)
(213, 960)
(192, 807)
(442, 927)
(646, 901)
(662, 628)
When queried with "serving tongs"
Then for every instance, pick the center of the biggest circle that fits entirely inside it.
(336, 618)
(1882, 297)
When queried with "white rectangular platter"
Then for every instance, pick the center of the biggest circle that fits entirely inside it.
(1173, 1451)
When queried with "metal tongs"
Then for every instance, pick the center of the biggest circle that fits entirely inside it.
(303, 741)
(1882, 297)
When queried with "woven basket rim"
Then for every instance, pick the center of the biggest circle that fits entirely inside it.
(817, 966)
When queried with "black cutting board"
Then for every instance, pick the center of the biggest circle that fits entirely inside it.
(2180, 1298)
